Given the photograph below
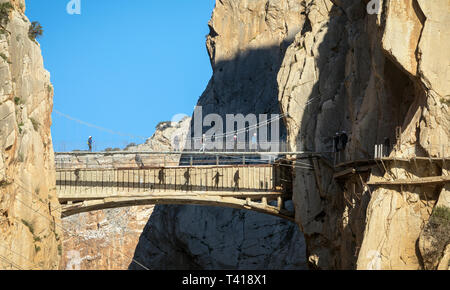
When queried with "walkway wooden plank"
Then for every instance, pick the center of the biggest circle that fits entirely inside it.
(352, 170)
(345, 172)
(416, 181)
(389, 159)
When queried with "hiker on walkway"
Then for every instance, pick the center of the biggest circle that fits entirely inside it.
(387, 147)
(344, 140)
(336, 141)
(236, 180)
(216, 179)
(138, 160)
(89, 142)
(161, 177)
(187, 178)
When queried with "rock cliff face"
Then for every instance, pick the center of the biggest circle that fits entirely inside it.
(30, 226)
(103, 240)
(374, 76)
(107, 239)
(246, 44)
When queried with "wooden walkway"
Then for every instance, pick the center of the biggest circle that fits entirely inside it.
(372, 161)
(261, 187)
(349, 168)
(251, 187)
(416, 181)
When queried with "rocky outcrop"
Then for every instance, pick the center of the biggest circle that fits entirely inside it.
(376, 77)
(246, 44)
(30, 227)
(434, 242)
(167, 136)
(103, 240)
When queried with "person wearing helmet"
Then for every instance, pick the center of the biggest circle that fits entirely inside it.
(344, 140)
(139, 161)
(336, 141)
(89, 142)
(387, 146)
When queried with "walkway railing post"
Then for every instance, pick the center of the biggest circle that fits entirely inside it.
(279, 203)
(264, 201)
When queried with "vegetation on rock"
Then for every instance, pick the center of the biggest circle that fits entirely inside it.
(437, 230)
(5, 9)
(35, 31)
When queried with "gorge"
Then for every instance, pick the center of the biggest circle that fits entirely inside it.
(326, 66)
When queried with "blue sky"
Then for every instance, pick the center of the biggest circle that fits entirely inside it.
(122, 65)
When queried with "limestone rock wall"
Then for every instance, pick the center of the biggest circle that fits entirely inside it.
(30, 226)
(374, 76)
(103, 240)
(246, 44)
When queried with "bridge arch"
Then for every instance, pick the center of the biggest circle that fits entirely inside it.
(218, 201)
